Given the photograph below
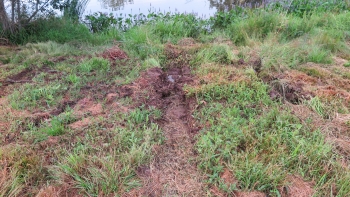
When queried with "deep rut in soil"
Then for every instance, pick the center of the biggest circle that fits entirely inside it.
(171, 173)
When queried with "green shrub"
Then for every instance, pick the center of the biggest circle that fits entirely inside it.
(100, 22)
(52, 29)
(214, 54)
(178, 26)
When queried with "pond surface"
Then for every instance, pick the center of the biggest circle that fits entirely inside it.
(202, 8)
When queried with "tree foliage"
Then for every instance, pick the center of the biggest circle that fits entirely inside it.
(21, 13)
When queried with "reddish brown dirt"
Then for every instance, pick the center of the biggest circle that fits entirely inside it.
(59, 191)
(62, 106)
(21, 77)
(179, 56)
(287, 90)
(85, 110)
(171, 173)
(297, 188)
(25, 76)
(250, 194)
(81, 124)
(87, 106)
(98, 91)
(111, 97)
(216, 192)
(228, 177)
(7, 114)
(114, 53)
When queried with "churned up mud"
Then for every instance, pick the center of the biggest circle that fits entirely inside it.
(172, 172)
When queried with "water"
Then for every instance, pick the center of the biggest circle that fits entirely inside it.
(203, 8)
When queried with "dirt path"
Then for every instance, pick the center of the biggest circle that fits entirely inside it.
(173, 171)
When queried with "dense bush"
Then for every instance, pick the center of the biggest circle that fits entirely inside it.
(55, 29)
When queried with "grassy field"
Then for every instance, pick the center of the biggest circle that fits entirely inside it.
(258, 105)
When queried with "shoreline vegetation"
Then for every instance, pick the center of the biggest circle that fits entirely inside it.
(251, 102)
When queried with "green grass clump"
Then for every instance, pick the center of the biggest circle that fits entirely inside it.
(33, 96)
(319, 55)
(178, 26)
(55, 128)
(220, 53)
(142, 43)
(347, 64)
(37, 132)
(73, 79)
(295, 27)
(111, 168)
(39, 54)
(316, 105)
(257, 26)
(332, 40)
(150, 63)
(302, 7)
(94, 64)
(291, 54)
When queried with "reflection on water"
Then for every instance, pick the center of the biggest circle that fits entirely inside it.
(226, 5)
(115, 4)
(200, 7)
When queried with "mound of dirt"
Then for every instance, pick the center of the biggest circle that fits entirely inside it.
(288, 91)
(114, 53)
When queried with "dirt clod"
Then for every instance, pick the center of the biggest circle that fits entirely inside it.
(81, 123)
(114, 53)
(289, 91)
(297, 188)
